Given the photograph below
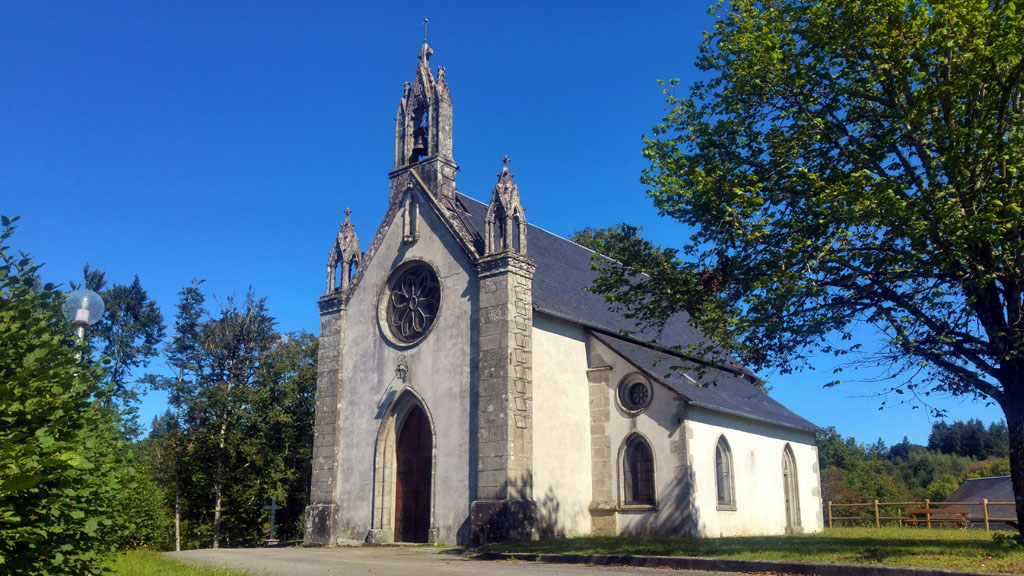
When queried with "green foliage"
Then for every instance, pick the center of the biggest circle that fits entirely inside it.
(852, 472)
(143, 515)
(65, 471)
(942, 487)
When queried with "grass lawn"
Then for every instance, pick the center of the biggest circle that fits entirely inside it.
(149, 563)
(950, 549)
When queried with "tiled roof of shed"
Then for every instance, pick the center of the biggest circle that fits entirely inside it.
(993, 489)
(564, 269)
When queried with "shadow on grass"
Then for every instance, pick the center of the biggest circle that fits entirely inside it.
(842, 547)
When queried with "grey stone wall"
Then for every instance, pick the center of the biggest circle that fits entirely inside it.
(603, 505)
(322, 510)
(504, 506)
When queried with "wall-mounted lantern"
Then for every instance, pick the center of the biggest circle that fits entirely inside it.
(402, 368)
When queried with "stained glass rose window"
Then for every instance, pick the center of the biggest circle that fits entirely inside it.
(413, 299)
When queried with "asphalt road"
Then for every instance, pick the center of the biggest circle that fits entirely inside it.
(389, 560)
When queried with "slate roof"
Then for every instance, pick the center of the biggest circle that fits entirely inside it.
(994, 489)
(564, 269)
(711, 388)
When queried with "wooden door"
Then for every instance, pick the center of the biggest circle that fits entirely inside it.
(413, 456)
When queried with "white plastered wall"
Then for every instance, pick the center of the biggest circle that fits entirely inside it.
(757, 474)
(561, 427)
(661, 425)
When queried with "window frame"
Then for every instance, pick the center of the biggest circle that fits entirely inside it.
(632, 496)
(725, 477)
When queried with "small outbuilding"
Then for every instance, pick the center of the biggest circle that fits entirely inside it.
(993, 489)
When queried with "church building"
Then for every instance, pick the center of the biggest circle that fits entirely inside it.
(470, 390)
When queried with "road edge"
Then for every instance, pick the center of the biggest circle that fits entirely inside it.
(725, 564)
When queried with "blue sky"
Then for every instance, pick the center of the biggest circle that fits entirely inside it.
(223, 141)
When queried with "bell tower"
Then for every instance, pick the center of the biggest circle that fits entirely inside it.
(423, 134)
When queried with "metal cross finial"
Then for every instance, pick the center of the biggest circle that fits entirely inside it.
(348, 212)
(504, 169)
(425, 51)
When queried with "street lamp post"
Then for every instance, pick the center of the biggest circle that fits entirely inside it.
(83, 307)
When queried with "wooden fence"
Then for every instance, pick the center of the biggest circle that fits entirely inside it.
(897, 512)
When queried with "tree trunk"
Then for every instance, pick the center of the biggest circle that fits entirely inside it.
(217, 488)
(1013, 408)
(177, 466)
(177, 513)
(216, 509)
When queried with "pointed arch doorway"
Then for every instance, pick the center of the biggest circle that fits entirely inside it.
(413, 458)
(791, 491)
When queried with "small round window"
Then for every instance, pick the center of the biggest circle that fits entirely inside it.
(635, 393)
(411, 300)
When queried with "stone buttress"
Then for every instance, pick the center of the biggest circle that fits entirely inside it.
(504, 508)
(322, 512)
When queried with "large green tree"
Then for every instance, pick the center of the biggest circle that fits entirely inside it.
(240, 428)
(848, 163)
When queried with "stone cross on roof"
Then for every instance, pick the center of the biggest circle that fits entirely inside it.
(425, 53)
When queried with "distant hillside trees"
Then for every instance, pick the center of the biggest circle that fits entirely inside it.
(970, 439)
(852, 472)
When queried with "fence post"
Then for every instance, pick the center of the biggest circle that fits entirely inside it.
(984, 505)
(830, 514)
(927, 513)
(878, 523)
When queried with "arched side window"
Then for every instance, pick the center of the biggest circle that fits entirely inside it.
(638, 472)
(724, 476)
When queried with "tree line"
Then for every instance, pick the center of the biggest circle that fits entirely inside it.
(853, 472)
(77, 482)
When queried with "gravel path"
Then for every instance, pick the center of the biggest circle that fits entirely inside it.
(388, 560)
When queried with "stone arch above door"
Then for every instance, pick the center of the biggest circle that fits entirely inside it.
(385, 474)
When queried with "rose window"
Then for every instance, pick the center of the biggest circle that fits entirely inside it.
(635, 393)
(412, 303)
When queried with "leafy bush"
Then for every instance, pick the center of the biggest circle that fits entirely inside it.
(65, 469)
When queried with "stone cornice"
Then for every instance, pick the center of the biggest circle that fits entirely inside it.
(504, 262)
(333, 302)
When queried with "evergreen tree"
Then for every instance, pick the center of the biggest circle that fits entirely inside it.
(128, 333)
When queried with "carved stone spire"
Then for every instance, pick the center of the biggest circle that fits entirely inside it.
(423, 132)
(344, 256)
(506, 217)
